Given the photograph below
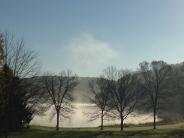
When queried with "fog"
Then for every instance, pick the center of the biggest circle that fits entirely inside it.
(80, 119)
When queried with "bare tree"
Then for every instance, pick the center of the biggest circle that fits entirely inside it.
(124, 88)
(36, 97)
(59, 89)
(24, 64)
(101, 98)
(21, 63)
(155, 75)
(20, 59)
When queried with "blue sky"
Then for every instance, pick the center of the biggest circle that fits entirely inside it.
(89, 35)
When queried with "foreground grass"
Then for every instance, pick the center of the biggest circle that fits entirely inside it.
(165, 131)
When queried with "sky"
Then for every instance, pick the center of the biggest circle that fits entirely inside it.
(90, 35)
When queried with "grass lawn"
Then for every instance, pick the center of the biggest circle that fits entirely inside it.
(164, 131)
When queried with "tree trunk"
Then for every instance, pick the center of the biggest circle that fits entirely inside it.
(154, 119)
(57, 126)
(102, 114)
(122, 125)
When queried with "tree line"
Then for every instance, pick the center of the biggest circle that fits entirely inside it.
(116, 93)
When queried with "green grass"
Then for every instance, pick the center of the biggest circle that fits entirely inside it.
(164, 131)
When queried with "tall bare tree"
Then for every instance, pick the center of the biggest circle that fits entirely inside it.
(101, 98)
(21, 63)
(17, 56)
(24, 64)
(59, 89)
(155, 75)
(124, 88)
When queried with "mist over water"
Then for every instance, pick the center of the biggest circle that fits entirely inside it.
(80, 119)
(82, 107)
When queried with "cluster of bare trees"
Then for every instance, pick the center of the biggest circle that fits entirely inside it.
(123, 91)
(127, 90)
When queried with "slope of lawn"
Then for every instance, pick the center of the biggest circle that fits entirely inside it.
(165, 131)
